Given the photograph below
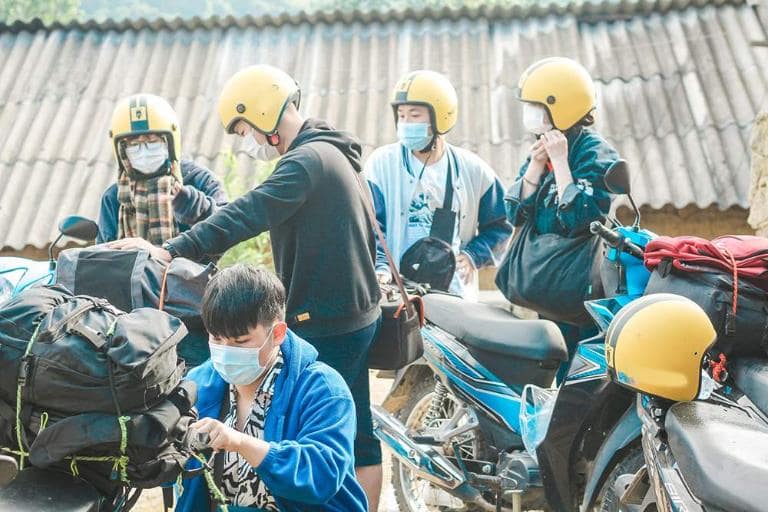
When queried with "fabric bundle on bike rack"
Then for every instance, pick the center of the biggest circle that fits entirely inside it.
(727, 277)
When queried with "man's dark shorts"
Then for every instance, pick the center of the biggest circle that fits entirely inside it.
(348, 355)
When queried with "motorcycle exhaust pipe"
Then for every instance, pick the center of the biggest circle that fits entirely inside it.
(427, 463)
(423, 460)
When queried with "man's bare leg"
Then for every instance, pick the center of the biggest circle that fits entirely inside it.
(370, 478)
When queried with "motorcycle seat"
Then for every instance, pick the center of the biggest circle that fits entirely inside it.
(36, 489)
(496, 330)
(751, 376)
(722, 454)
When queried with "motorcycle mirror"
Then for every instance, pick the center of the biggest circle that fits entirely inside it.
(8, 470)
(617, 182)
(79, 227)
(617, 178)
(76, 227)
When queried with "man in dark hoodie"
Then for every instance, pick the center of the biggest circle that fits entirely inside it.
(313, 205)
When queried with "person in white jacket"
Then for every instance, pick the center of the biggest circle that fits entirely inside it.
(408, 183)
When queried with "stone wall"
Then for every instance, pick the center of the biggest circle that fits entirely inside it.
(758, 215)
(707, 223)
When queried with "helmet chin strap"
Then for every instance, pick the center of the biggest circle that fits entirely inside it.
(430, 147)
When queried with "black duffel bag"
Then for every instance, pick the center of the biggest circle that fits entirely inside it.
(740, 319)
(552, 274)
(132, 279)
(80, 354)
(142, 449)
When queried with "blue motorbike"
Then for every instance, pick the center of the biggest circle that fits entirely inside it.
(479, 425)
(18, 274)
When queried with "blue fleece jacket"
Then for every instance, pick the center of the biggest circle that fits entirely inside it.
(310, 428)
(201, 195)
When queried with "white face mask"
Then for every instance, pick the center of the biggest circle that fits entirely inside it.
(536, 118)
(262, 152)
(148, 157)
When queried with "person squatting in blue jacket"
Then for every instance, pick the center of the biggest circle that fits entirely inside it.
(283, 421)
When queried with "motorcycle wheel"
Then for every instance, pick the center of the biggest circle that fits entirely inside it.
(620, 476)
(414, 494)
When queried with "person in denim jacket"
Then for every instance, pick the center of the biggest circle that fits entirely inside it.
(561, 187)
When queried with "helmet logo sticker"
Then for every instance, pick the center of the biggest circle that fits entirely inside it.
(402, 90)
(139, 118)
(138, 113)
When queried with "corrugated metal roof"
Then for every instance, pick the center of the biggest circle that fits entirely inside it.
(679, 87)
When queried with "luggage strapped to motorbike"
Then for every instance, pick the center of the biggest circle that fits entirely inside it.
(128, 370)
(727, 277)
(120, 462)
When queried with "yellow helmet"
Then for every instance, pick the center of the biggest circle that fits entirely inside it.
(145, 113)
(562, 86)
(656, 345)
(258, 95)
(432, 90)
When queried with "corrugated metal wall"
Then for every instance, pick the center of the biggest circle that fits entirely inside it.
(678, 92)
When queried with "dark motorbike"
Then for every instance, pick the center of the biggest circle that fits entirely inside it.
(34, 489)
(706, 455)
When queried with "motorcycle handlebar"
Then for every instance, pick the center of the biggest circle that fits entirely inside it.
(615, 240)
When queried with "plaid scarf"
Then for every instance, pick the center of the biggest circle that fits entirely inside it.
(146, 206)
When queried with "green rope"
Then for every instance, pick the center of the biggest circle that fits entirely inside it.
(112, 327)
(13, 452)
(121, 462)
(73, 460)
(214, 490)
(43, 421)
(19, 386)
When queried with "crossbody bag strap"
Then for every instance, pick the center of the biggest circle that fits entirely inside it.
(368, 202)
(448, 201)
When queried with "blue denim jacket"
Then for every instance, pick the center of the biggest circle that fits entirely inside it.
(583, 201)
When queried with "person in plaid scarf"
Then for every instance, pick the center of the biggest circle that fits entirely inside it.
(157, 195)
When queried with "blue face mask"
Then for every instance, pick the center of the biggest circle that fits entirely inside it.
(239, 366)
(414, 136)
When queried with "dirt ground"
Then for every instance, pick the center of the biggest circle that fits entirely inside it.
(152, 501)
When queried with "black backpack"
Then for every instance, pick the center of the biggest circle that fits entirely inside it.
(73, 351)
(96, 385)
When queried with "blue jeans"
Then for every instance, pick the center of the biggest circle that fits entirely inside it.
(348, 355)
